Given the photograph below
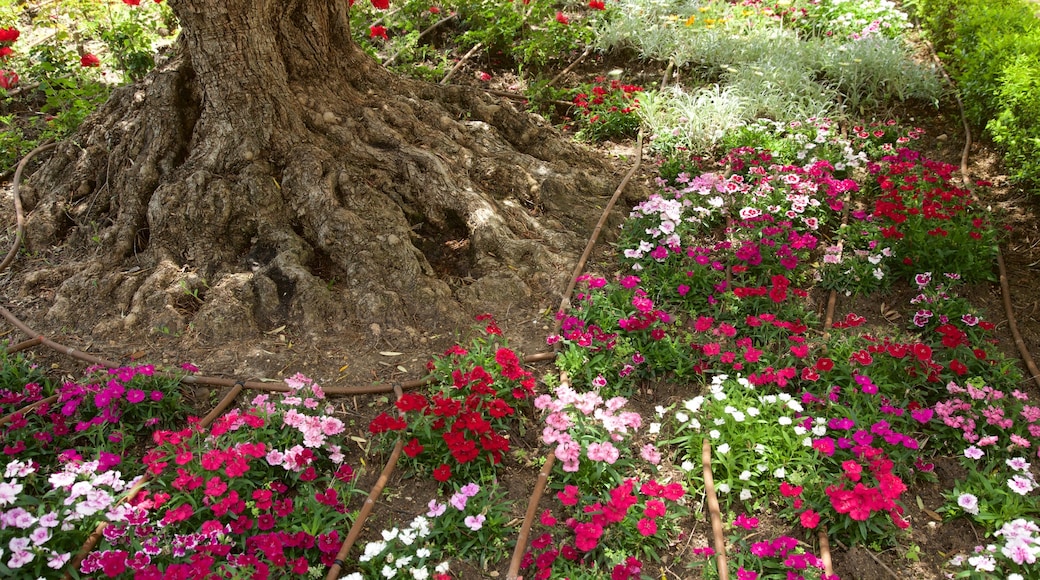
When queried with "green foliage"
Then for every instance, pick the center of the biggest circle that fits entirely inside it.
(607, 110)
(992, 50)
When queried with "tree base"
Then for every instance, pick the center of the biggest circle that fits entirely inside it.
(372, 200)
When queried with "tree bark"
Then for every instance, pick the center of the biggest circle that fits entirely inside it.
(272, 173)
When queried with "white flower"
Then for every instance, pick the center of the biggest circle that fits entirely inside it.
(799, 430)
(714, 434)
(738, 417)
(422, 553)
(784, 420)
(807, 442)
(693, 405)
(745, 475)
(745, 494)
(655, 428)
(969, 503)
(720, 421)
(420, 573)
(687, 466)
(780, 472)
(1020, 485)
(819, 430)
(389, 572)
(723, 488)
(753, 411)
(441, 568)
(760, 449)
(682, 417)
(723, 449)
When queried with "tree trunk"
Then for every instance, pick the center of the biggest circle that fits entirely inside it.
(271, 173)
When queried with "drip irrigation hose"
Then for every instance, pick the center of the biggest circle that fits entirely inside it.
(571, 66)
(825, 551)
(1005, 294)
(715, 512)
(532, 505)
(367, 507)
(28, 408)
(599, 227)
(24, 345)
(19, 233)
(461, 62)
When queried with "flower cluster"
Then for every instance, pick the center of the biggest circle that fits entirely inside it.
(461, 426)
(42, 532)
(782, 556)
(592, 436)
(607, 109)
(401, 552)
(604, 537)
(1010, 557)
(262, 489)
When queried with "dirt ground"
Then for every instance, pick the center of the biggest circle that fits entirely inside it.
(374, 354)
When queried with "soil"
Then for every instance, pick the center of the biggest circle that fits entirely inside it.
(368, 353)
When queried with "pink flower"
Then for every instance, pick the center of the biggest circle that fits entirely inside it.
(650, 453)
(569, 495)
(647, 527)
(809, 518)
(475, 522)
(605, 452)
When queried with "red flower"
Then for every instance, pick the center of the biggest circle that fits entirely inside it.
(413, 448)
(89, 60)
(442, 473)
(569, 495)
(647, 527)
(561, 18)
(922, 351)
(597, 5)
(809, 518)
(381, 4)
(384, 422)
(788, 490)
(377, 30)
(435, 10)
(411, 402)
(5, 51)
(328, 497)
(824, 364)
(9, 34)
(958, 367)
(215, 486)
(132, 2)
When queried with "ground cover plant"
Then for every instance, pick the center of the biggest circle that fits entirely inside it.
(812, 427)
